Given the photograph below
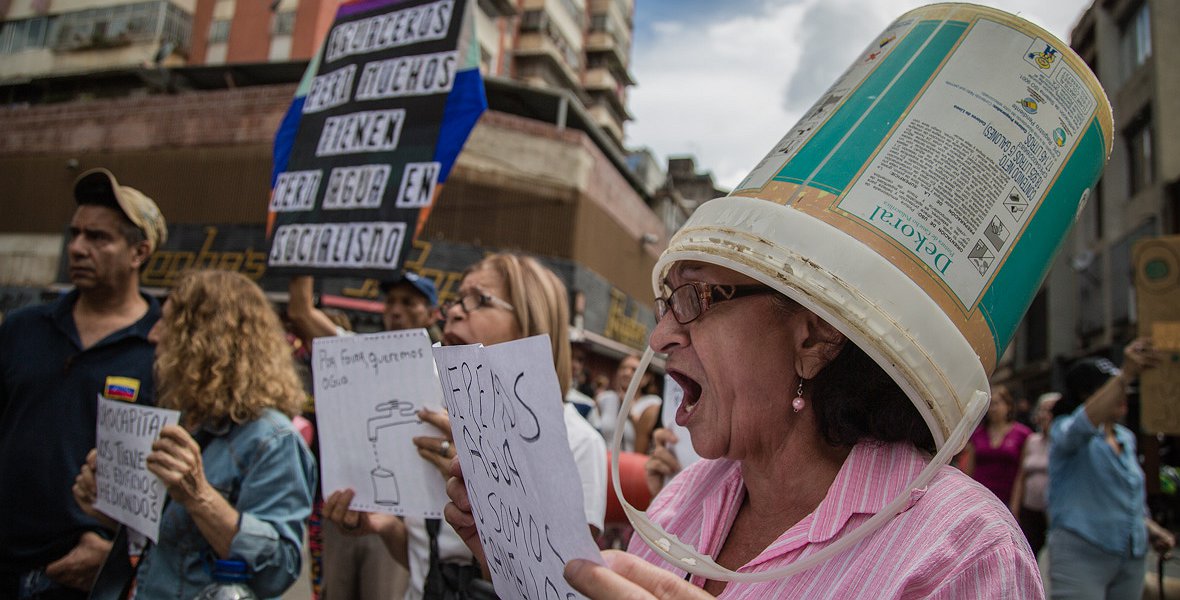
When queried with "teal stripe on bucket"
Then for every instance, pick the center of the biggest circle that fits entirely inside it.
(843, 166)
(1011, 292)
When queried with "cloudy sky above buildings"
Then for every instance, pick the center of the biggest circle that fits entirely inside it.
(724, 80)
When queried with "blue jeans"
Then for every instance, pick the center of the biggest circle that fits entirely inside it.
(1079, 570)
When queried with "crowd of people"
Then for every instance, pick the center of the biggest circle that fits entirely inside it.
(804, 438)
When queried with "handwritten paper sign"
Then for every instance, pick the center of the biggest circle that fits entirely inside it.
(506, 415)
(368, 390)
(366, 158)
(683, 450)
(127, 491)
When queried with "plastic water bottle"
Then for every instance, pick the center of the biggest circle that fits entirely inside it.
(229, 582)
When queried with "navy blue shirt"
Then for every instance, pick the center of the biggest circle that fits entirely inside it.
(49, 387)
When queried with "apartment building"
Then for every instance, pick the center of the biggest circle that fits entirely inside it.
(1087, 304)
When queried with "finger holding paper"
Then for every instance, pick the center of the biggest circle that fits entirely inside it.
(437, 450)
(86, 490)
(458, 514)
(628, 576)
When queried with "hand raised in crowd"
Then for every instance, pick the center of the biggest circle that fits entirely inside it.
(662, 464)
(628, 576)
(438, 451)
(357, 523)
(458, 513)
(78, 568)
(1139, 356)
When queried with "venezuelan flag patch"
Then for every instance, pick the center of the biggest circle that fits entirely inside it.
(121, 388)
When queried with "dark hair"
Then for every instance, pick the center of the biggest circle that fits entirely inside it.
(1082, 379)
(856, 400)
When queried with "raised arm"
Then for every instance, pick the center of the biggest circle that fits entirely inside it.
(310, 322)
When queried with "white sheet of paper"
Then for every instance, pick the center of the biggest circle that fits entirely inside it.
(683, 450)
(127, 491)
(368, 389)
(506, 414)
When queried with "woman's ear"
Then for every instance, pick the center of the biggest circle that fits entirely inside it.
(817, 344)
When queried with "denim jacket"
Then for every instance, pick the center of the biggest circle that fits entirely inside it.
(266, 472)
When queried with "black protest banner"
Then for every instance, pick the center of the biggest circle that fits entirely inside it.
(364, 162)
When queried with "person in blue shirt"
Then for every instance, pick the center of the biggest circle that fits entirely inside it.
(240, 479)
(55, 360)
(1099, 526)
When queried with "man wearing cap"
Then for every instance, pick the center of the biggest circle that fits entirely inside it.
(360, 567)
(55, 360)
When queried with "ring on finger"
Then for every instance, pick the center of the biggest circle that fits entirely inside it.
(444, 449)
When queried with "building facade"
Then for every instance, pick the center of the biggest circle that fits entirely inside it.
(1087, 304)
(540, 173)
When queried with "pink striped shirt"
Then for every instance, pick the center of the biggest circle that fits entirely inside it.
(954, 540)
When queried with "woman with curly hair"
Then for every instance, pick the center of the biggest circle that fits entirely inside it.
(240, 479)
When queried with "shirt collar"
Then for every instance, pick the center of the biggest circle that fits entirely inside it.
(872, 476)
(62, 315)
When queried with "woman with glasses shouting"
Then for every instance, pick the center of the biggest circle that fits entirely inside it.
(503, 297)
(813, 457)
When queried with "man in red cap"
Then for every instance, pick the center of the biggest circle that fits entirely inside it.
(55, 360)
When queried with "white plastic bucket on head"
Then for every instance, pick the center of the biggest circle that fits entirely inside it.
(918, 205)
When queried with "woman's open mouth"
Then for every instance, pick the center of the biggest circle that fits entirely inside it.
(692, 395)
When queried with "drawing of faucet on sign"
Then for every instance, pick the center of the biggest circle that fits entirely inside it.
(388, 414)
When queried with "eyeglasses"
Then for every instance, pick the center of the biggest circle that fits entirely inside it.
(692, 299)
(474, 301)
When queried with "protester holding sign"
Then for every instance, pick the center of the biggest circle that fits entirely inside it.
(353, 566)
(504, 297)
(239, 477)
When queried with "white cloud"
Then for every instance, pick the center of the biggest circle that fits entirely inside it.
(726, 90)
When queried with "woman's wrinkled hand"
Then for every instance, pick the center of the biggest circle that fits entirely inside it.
(86, 486)
(356, 523)
(437, 450)
(628, 576)
(176, 459)
(458, 513)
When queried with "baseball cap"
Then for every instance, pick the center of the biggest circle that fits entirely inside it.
(424, 285)
(98, 186)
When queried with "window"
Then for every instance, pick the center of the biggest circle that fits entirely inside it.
(1135, 43)
(116, 26)
(219, 31)
(283, 23)
(1140, 155)
(24, 34)
(533, 20)
(574, 10)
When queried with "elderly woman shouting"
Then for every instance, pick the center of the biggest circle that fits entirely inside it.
(807, 438)
(804, 438)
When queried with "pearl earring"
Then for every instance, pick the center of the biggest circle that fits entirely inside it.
(798, 403)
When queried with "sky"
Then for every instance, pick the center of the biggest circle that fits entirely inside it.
(723, 81)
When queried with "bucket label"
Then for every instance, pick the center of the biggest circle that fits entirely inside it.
(957, 180)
